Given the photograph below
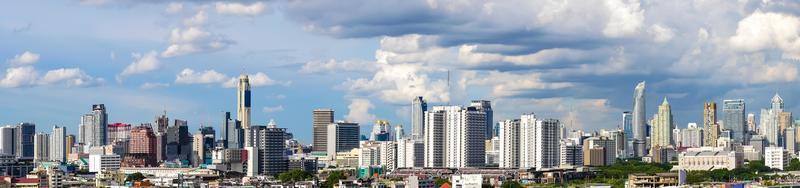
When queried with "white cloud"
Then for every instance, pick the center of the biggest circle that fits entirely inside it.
(766, 30)
(142, 63)
(199, 18)
(467, 54)
(661, 33)
(19, 77)
(507, 84)
(359, 111)
(626, 18)
(150, 85)
(258, 79)
(71, 77)
(333, 66)
(273, 109)
(194, 40)
(188, 76)
(26, 58)
(254, 9)
(174, 7)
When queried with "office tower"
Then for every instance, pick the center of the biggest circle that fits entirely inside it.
(96, 133)
(509, 143)
(784, 120)
(398, 133)
(627, 127)
(410, 153)
(639, 125)
(598, 151)
(485, 107)
(41, 147)
(321, 118)
(178, 145)
(464, 136)
(380, 131)
(619, 140)
(57, 145)
(232, 132)
(143, 145)
(119, 132)
(342, 136)
(418, 109)
(434, 137)
(269, 144)
(733, 119)
(243, 107)
(662, 125)
(692, 136)
(69, 143)
(24, 140)
(162, 122)
(571, 154)
(203, 144)
(790, 136)
(769, 121)
(710, 126)
(7, 141)
(751, 123)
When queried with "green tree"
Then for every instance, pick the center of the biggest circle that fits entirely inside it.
(510, 184)
(333, 178)
(440, 181)
(294, 175)
(794, 165)
(135, 177)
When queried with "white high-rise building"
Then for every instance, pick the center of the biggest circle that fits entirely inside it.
(94, 126)
(790, 142)
(57, 144)
(527, 136)
(342, 136)
(571, 153)
(410, 153)
(243, 107)
(677, 137)
(769, 121)
(661, 126)
(454, 137)
(418, 109)
(776, 157)
(388, 155)
(509, 143)
(639, 121)
(547, 144)
(7, 140)
(41, 150)
(434, 138)
(692, 136)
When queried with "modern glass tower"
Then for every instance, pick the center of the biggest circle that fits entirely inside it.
(639, 122)
(734, 119)
(418, 109)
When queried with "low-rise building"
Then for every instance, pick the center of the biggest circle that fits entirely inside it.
(709, 160)
(657, 180)
(99, 163)
(467, 180)
(776, 157)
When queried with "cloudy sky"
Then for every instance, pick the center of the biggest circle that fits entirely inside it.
(573, 60)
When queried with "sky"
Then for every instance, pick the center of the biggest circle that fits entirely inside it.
(577, 61)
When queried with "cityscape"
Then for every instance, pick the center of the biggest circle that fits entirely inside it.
(433, 94)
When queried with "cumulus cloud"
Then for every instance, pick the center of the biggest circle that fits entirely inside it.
(359, 111)
(19, 77)
(273, 109)
(194, 38)
(507, 84)
(26, 58)
(626, 18)
(142, 63)
(766, 30)
(254, 9)
(151, 85)
(661, 33)
(188, 76)
(71, 77)
(334, 66)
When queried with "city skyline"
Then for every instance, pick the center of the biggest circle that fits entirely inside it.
(305, 63)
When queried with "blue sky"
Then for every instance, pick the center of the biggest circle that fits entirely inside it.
(576, 61)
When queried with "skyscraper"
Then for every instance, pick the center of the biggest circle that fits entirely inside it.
(69, 142)
(547, 144)
(203, 145)
(710, 126)
(232, 132)
(57, 145)
(7, 140)
(119, 132)
(692, 136)
(509, 143)
(639, 122)
(94, 126)
(320, 120)
(342, 136)
(627, 127)
(243, 107)
(465, 136)
(418, 109)
(733, 119)
(769, 121)
(662, 125)
(270, 153)
(751, 123)
(143, 145)
(41, 147)
(434, 137)
(485, 107)
(178, 145)
(527, 137)
(24, 140)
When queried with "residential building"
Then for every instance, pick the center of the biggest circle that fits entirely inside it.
(410, 153)
(776, 157)
(142, 146)
(41, 148)
(662, 125)
(485, 106)
(571, 154)
(94, 126)
(57, 146)
(599, 151)
(269, 145)
(119, 132)
(790, 142)
(692, 136)
(509, 143)
(434, 137)
(465, 135)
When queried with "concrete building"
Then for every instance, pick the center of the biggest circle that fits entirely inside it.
(94, 126)
(321, 118)
(142, 146)
(434, 142)
(232, 132)
(69, 144)
(243, 101)
(750, 153)
(657, 180)
(410, 153)
(467, 180)
(790, 140)
(270, 150)
(99, 162)
(598, 151)
(752, 124)
(709, 160)
(7, 141)
(41, 151)
(203, 143)
(692, 136)
(485, 106)
(119, 132)
(547, 144)
(639, 121)
(710, 126)
(418, 109)
(465, 135)
(662, 126)
(342, 136)
(57, 145)
(509, 143)
(776, 157)
(627, 128)
(178, 142)
(571, 154)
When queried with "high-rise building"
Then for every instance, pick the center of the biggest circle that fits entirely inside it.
(509, 143)
(790, 143)
(178, 145)
(380, 131)
(784, 121)
(485, 106)
(418, 109)
(662, 125)
(162, 122)
(69, 143)
(692, 136)
(143, 145)
(57, 145)
(232, 132)
(639, 121)
(571, 154)
(527, 135)
(7, 141)
(547, 144)
(23, 140)
(202, 145)
(410, 153)
(119, 132)
(769, 121)
(270, 151)
(243, 107)
(776, 157)
(321, 118)
(96, 126)
(710, 126)
(41, 147)
(734, 120)
(398, 133)
(464, 134)
(434, 138)
(751, 123)
(598, 151)
(342, 136)
(627, 127)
